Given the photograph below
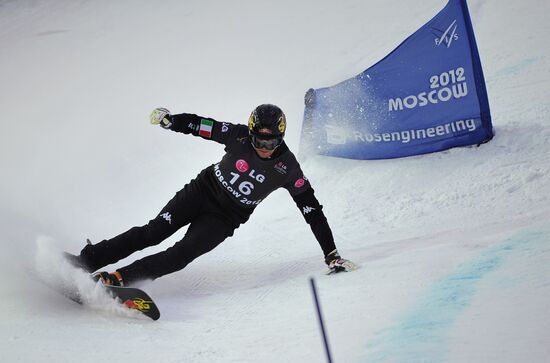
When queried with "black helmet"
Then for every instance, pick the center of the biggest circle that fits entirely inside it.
(266, 127)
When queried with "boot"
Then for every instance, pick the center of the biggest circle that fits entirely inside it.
(83, 260)
(109, 279)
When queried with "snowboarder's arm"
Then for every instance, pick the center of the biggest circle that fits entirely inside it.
(303, 194)
(204, 127)
(312, 211)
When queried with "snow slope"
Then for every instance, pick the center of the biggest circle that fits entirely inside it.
(453, 247)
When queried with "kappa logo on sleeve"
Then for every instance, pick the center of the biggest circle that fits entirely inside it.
(308, 209)
(168, 217)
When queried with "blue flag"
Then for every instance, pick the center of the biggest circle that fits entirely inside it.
(427, 95)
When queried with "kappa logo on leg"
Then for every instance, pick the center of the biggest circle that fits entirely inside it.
(167, 216)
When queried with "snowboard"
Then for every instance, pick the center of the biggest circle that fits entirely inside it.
(136, 299)
(131, 297)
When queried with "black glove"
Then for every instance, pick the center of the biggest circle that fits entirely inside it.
(337, 264)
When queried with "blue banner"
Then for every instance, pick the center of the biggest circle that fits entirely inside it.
(427, 95)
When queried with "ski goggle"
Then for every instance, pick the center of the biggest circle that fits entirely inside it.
(267, 143)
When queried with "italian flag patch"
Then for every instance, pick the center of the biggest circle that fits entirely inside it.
(206, 128)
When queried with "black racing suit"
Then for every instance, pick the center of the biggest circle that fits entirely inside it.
(214, 204)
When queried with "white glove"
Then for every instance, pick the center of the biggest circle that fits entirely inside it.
(161, 116)
(337, 264)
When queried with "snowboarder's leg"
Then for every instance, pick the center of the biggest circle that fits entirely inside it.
(205, 233)
(179, 211)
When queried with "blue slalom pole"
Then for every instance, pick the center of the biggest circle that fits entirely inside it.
(320, 316)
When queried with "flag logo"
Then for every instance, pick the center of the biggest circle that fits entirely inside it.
(206, 128)
(446, 37)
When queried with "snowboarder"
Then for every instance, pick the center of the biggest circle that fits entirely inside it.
(217, 201)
